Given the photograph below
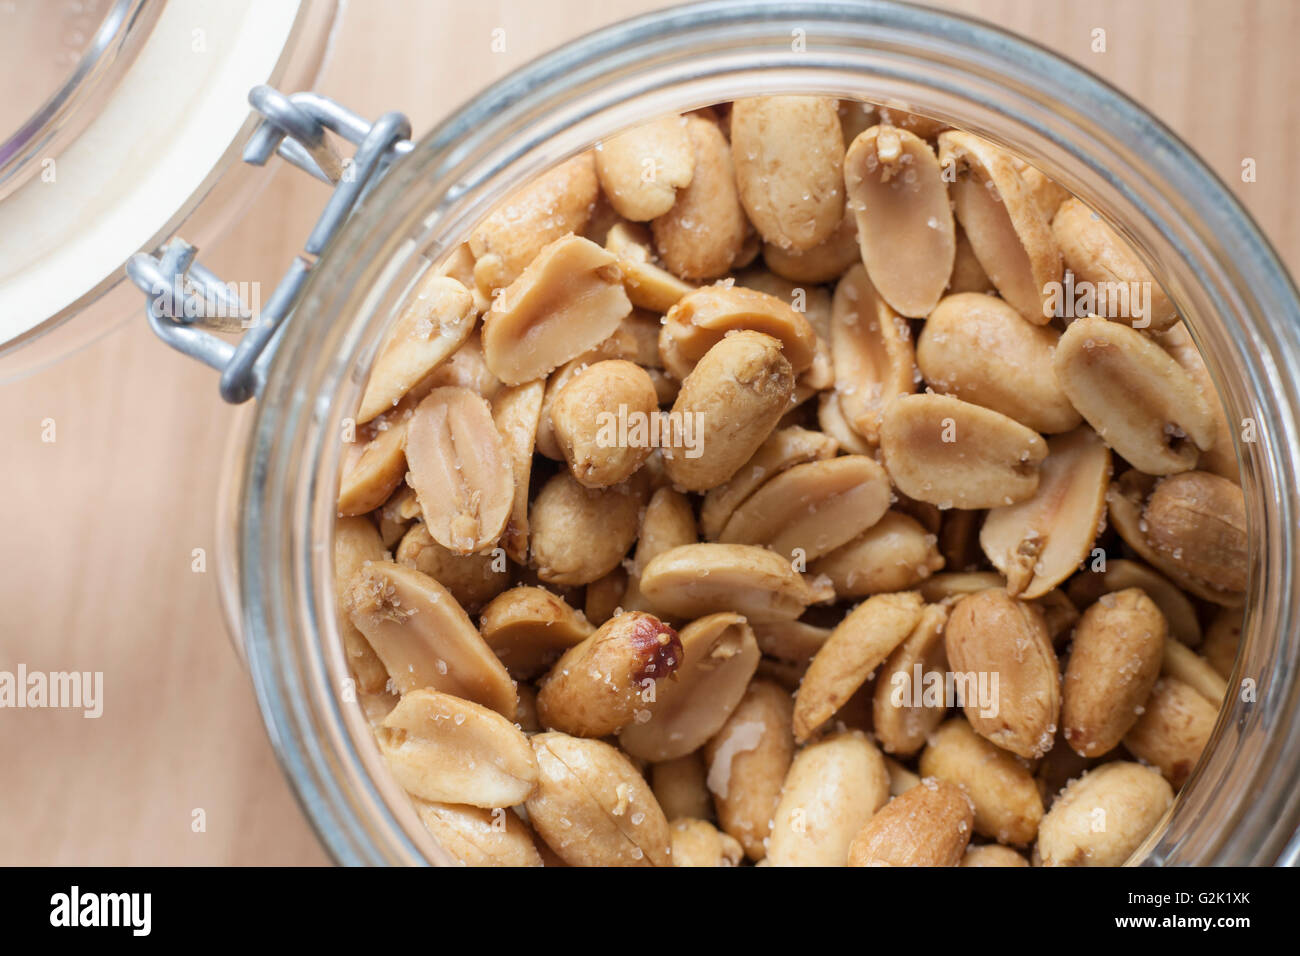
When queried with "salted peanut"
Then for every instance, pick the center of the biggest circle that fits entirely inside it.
(1115, 661)
(585, 418)
(1222, 639)
(702, 234)
(700, 843)
(472, 579)
(604, 596)
(647, 285)
(459, 265)
(1197, 521)
(517, 410)
(641, 169)
(464, 368)
(872, 350)
(992, 854)
(1174, 728)
(355, 542)
(922, 126)
(432, 325)
(547, 444)
(1006, 228)
(698, 579)
(824, 262)
(668, 522)
(1127, 501)
(904, 710)
(1039, 542)
(425, 638)
(979, 349)
(957, 584)
(1048, 195)
(901, 779)
(929, 825)
(1184, 664)
(1001, 789)
(747, 761)
(993, 633)
(1120, 574)
(446, 749)
(592, 806)
(833, 788)
(813, 302)
(831, 419)
(528, 628)
(375, 464)
(475, 836)
(679, 786)
(703, 317)
(782, 450)
(967, 273)
(897, 193)
(554, 204)
(954, 454)
(566, 301)
(894, 554)
(1221, 457)
(1097, 255)
(1138, 399)
(1103, 817)
(793, 641)
(719, 656)
(460, 470)
(735, 396)
(581, 534)
(397, 514)
(789, 154)
(811, 509)
(859, 644)
(601, 684)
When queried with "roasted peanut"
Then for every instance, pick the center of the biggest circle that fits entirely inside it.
(698, 579)
(992, 854)
(585, 416)
(701, 235)
(992, 633)
(902, 718)
(703, 317)
(642, 169)
(718, 657)
(872, 351)
(517, 412)
(445, 749)
(356, 542)
(833, 788)
(472, 579)
(1001, 790)
(929, 825)
(1102, 817)
(460, 470)
(593, 808)
(647, 285)
(1138, 399)
(789, 153)
(734, 398)
(699, 843)
(479, 837)
(1197, 522)
(581, 534)
(679, 786)
(528, 628)
(601, 684)
(824, 262)
(425, 638)
(1120, 574)
(1114, 663)
(1039, 542)
(857, 646)
(1173, 730)
(905, 227)
(1184, 664)
(957, 455)
(894, 554)
(979, 349)
(373, 466)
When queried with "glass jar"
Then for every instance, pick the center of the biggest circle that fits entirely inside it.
(1241, 805)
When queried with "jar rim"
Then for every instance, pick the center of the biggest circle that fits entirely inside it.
(1242, 309)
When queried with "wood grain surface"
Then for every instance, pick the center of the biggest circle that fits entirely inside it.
(99, 526)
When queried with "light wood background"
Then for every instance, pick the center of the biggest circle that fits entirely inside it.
(98, 527)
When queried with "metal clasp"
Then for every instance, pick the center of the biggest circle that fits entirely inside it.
(184, 297)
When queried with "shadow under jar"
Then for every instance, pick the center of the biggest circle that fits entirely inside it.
(1240, 806)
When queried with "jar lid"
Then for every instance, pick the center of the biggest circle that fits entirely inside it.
(126, 116)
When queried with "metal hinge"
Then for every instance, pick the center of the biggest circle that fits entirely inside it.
(186, 299)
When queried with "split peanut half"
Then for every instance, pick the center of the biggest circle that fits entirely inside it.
(529, 627)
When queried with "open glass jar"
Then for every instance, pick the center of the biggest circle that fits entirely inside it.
(1241, 805)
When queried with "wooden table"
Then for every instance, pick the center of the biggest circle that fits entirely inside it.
(99, 526)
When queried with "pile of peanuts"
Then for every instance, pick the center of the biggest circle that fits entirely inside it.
(676, 484)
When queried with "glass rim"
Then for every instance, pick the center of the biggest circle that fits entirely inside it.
(1099, 142)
